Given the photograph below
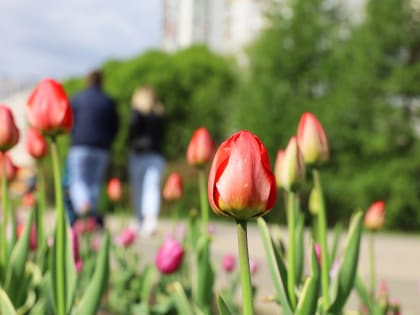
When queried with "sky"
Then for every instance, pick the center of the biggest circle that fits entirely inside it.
(58, 38)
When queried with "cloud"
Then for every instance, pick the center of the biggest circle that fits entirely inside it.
(60, 38)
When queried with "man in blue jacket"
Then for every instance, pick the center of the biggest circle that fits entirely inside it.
(94, 129)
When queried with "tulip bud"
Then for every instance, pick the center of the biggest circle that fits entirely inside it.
(11, 168)
(375, 216)
(314, 201)
(291, 168)
(48, 108)
(241, 184)
(201, 148)
(254, 266)
(114, 189)
(312, 140)
(173, 188)
(228, 263)
(317, 249)
(9, 133)
(169, 256)
(126, 238)
(36, 145)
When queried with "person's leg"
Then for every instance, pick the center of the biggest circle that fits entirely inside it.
(78, 189)
(136, 174)
(151, 193)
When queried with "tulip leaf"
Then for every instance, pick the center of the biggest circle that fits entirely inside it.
(222, 306)
(91, 299)
(299, 245)
(348, 268)
(205, 274)
(338, 229)
(363, 294)
(6, 306)
(17, 262)
(281, 266)
(180, 299)
(275, 273)
(146, 283)
(308, 300)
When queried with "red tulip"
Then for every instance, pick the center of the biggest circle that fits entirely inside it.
(201, 148)
(241, 183)
(169, 256)
(228, 263)
(48, 108)
(114, 189)
(173, 188)
(126, 238)
(312, 140)
(11, 168)
(36, 145)
(78, 263)
(9, 133)
(375, 216)
(290, 167)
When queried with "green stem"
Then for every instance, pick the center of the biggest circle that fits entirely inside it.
(291, 278)
(244, 268)
(5, 212)
(372, 264)
(203, 199)
(40, 209)
(322, 238)
(60, 233)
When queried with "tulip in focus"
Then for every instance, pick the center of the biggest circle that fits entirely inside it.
(169, 256)
(241, 184)
(48, 108)
(312, 140)
(9, 133)
(375, 216)
(201, 148)
(127, 237)
(228, 263)
(11, 168)
(291, 167)
(114, 189)
(36, 145)
(173, 188)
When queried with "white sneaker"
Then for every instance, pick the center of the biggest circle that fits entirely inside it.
(149, 226)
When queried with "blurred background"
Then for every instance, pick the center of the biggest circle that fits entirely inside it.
(243, 64)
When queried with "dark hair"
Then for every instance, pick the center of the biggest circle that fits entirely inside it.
(95, 78)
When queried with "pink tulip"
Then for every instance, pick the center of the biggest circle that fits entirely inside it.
(375, 216)
(76, 252)
(241, 183)
(114, 189)
(312, 140)
(48, 108)
(228, 263)
(201, 148)
(127, 237)
(9, 133)
(317, 249)
(254, 266)
(169, 256)
(173, 188)
(36, 145)
(11, 168)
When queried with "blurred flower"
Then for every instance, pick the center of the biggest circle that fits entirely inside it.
(76, 253)
(20, 228)
(9, 133)
(241, 183)
(312, 140)
(28, 200)
(375, 216)
(254, 266)
(11, 168)
(180, 231)
(228, 263)
(173, 188)
(169, 256)
(95, 244)
(91, 224)
(395, 306)
(211, 228)
(48, 108)
(291, 168)
(36, 145)
(126, 237)
(201, 148)
(114, 189)
(317, 249)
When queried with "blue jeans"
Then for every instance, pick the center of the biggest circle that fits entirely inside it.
(146, 170)
(87, 167)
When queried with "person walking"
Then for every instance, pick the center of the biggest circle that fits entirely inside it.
(94, 129)
(146, 161)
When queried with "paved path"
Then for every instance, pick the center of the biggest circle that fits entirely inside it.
(397, 257)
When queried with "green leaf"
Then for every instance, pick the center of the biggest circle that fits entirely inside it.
(299, 245)
(147, 283)
(338, 229)
(180, 299)
(363, 293)
(91, 299)
(309, 298)
(205, 274)
(275, 273)
(222, 306)
(6, 306)
(348, 268)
